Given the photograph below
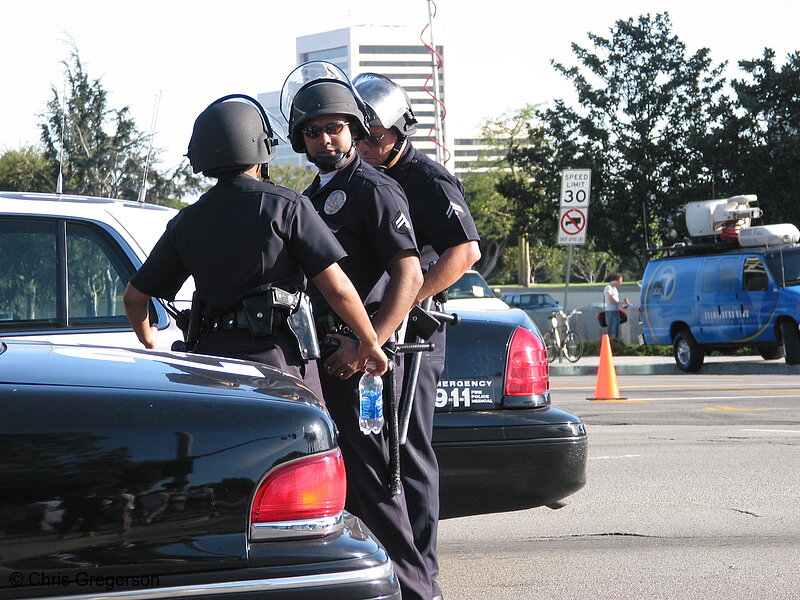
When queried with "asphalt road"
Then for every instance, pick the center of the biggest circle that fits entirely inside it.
(692, 492)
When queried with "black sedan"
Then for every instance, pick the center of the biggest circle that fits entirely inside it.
(149, 475)
(500, 444)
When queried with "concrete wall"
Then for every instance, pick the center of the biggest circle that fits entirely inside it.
(590, 301)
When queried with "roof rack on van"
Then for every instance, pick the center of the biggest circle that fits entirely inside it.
(725, 224)
(693, 248)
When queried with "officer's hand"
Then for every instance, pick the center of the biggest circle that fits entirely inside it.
(344, 362)
(372, 353)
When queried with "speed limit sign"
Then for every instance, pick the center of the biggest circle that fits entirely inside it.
(576, 184)
(574, 214)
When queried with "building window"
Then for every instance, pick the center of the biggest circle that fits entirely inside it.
(324, 54)
(405, 76)
(397, 50)
(395, 63)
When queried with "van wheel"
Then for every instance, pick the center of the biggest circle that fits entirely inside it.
(770, 352)
(791, 342)
(688, 353)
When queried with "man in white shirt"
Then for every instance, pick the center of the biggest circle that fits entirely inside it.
(613, 305)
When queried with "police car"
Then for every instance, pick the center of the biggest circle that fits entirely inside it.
(501, 445)
(471, 292)
(732, 285)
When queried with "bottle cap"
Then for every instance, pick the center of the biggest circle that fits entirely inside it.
(370, 366)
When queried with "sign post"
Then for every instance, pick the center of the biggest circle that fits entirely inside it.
(576, 187)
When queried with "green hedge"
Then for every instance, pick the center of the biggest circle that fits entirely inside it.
(620, 348)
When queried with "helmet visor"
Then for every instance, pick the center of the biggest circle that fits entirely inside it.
(279, 126)
(309, 72)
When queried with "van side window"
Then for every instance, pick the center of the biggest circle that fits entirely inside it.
(727, 279)
(754, 275)
(708, 275)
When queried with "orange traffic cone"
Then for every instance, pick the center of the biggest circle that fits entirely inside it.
(606, 388)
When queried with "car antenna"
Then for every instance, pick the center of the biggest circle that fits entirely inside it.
(60, 178)
(143, 187)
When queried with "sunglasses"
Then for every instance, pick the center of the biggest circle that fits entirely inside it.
(313, 132)
(374, 140)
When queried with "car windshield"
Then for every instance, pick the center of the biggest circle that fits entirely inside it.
(785, 266)
(471, 285)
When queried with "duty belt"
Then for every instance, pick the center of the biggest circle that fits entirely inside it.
(231, 320)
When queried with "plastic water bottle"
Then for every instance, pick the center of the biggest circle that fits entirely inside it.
(370, 395)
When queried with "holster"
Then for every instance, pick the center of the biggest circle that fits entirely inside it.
(195, 322)
(301, 324)
(265, 312)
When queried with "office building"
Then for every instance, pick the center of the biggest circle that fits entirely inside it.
(394, 51)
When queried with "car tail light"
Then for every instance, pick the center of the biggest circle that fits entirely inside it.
(311, 488)
(527, 369)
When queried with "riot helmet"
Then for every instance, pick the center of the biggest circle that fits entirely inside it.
(321, 88)
(232, 132)
(388, 104)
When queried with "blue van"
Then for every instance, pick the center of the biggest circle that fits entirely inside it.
(714, 296)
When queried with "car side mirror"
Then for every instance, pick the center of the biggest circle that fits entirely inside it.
(497, 292)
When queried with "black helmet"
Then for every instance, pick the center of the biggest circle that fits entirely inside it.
(387, 103)
(230, 134)
(320, 88)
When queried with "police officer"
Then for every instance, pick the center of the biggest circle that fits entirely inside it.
(249, 245)
(369, 214)
(445, 234)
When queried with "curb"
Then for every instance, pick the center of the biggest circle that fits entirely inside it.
(713, 368)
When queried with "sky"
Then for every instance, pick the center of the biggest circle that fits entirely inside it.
(188, 53)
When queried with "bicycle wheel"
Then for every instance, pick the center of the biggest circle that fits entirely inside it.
(573, 346)
(550, 344)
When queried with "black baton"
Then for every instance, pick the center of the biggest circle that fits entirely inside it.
(390, 406)
(391, 409)
(410, 388)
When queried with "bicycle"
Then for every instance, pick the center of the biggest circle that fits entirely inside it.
(562, 340)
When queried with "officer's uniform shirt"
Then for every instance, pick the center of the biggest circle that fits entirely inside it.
(441, 220)
(436, 199)
(238, 237)
(368, 213)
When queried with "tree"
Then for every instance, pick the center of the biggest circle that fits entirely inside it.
(547, 262)
(26, 169)
(293, 177)
(591, 264)
(757, 149)
(492, 218)
(645, 107)
(501, 217)
(101, 150)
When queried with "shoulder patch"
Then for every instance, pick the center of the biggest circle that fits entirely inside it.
(401, 223)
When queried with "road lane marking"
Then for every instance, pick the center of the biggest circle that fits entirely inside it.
(670, 387)
(612, 457)
(731, 408)
(619, 401)
(774, 430)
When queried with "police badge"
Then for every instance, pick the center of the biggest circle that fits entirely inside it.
(335, 202)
